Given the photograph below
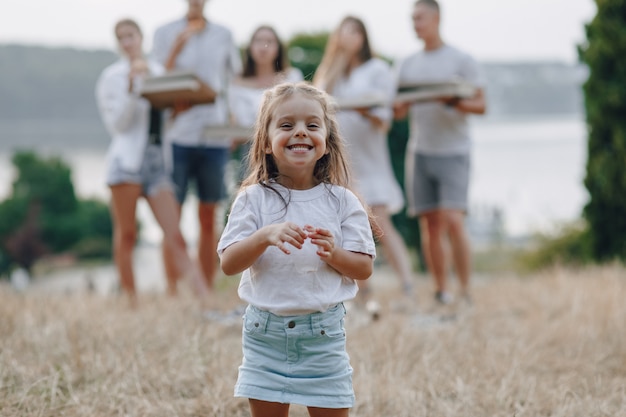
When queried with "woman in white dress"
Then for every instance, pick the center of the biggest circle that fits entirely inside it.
(265, 65)
(349, 71)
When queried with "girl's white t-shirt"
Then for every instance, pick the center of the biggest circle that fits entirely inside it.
(298, 283)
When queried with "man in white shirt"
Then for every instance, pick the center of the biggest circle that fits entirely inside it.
(438, 152)
(208, 49)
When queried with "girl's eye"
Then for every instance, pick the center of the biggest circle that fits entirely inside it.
(313, 126)
(285, 125)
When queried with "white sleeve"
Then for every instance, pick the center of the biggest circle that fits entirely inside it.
(118, 107)
(160, 46)
(355, 226)
(242, 221)
(471, 71)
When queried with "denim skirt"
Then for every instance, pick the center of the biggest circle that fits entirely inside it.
(296, 359)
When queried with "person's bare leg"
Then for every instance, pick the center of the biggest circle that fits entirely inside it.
(207, 245)
(394, 248)
(460, 246)
(260, 408)
(169, 258)
(123, 208)
(180, 265)
(166, 213)
(431, 229)
(328, 412)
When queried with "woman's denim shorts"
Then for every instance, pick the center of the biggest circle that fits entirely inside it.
(152, 175)
(296, 359)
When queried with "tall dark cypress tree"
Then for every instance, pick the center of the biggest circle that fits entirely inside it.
(605, 103)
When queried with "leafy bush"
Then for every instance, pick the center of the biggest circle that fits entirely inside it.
(43, 216)
(569, 245)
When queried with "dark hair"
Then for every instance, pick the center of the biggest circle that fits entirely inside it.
(280, 63)
(127, 22)
(430, 3)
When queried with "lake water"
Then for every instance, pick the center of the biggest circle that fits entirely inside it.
(531, 169)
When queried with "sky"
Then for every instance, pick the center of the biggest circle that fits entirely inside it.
(490, 30)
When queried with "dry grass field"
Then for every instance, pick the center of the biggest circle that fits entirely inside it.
(550, 344)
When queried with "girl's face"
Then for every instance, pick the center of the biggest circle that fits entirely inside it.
(264, 47)
(297, 134)
(129, 40)
(350, 38)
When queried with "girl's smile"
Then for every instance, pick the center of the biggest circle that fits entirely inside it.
(298, 134)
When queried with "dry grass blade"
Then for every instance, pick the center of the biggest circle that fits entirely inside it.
(552, 344)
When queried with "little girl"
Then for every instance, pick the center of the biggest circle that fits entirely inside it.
(301, 238)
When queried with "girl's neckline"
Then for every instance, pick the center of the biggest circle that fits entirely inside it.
(302, 195)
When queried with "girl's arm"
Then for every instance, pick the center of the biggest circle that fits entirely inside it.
(242, 254)
(354, 265)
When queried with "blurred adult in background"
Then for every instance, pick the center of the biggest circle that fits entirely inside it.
(207, 48)
(349, 70)
(135, 162)
(438, 152)
(265, 65)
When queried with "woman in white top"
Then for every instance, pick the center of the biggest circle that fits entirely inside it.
(265, 65)
(135, 161)
(350, 71)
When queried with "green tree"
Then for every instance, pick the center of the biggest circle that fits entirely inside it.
(306, 51)
(43, 215)
(605, 103)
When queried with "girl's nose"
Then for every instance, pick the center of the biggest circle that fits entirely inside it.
(300, 130)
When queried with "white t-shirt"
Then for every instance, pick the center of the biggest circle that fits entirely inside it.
(214, 57)
(436, 129)
(298, 283)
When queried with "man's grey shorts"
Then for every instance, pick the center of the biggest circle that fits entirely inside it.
(152, 175)
(437, 182)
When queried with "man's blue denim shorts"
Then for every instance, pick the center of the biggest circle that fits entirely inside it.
(203, 166)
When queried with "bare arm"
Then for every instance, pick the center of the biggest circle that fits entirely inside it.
(354, 265)
(241, 255)
(192, 28)
(376, 121)
(473, 105)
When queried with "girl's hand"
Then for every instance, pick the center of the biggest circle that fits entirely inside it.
(279, 234)
(323, 239)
